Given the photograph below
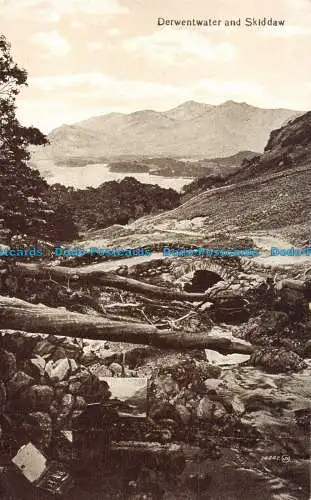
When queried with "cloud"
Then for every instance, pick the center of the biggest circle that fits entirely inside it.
(95, 45)
(90, 86)
(86, 82)
(53, 10)
(172, 45)
(230, 88)
(47, 83)
(113, 32)
(55, 44)
(286, 31)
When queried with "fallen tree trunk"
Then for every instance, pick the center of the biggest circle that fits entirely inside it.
(16, 314)
(92, 277)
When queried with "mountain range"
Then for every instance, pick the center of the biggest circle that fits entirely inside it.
(190, 130)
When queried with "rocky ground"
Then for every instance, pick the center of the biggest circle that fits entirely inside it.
(245, 417)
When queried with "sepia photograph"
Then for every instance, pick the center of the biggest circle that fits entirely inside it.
(155, 249)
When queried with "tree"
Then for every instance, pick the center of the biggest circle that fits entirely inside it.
(22, 189)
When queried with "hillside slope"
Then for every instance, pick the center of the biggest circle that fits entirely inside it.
(190, 130)
(287, 147)
(270, 192)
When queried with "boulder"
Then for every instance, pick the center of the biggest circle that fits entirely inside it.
(44, 348)
(100, 371)
(2, 397)
(65, 410)
(38, 426)
(21, 345)
(19, 381)
(35, 367)
(36, 398)
(58, 370)
(7, 365)
(276, 360)
(307, 349)
(184, 413)
(116, 369)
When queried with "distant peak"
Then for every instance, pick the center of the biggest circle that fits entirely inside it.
(230, 102)
(191, 104)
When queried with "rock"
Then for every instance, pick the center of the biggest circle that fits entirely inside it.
(19, 381)
(99, 353)
(275, 360)
(38, 426)
(72, 350)
(183, 413)
(36, 366)
(65, 410)
(100, 371)
(205, 408)
(307, 349)
(94, 390)
(59, 353)
(36, 398)
(294, 303)
(54, 409)
(212, 383)
(88, 358)
(58, 370)
(237, 405)
(116, 369)
(73, 365)
(296, 471)
(274, 321)
(134, 356)
(80, 403)
(2, 397)
(21, 345)
(75, 387)
(210, 410)
(7, 365)
(44, 348)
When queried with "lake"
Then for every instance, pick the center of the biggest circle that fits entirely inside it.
(95, 174)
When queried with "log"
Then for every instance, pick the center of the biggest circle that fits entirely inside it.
(88, 276)
(16, 314)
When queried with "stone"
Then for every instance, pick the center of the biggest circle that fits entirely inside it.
(88, 358)
(307, 349)
(7, 365)
(59, 353)
(75, 387)
(19, 381)
(72, 350)
(21, 345)
(136, 355)
(36, 398)
(205, 409)
(100, 370)
(73, 365)
(116, 369)
(212, 383)
(44, 348)
(38, 426)
(58, 370)
(36, 366)
(65, 410)
(275, 360)
(2, 397)
(80, 403)
(183, 413)
(274, 321)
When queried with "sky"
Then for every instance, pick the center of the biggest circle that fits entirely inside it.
(90, 57)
